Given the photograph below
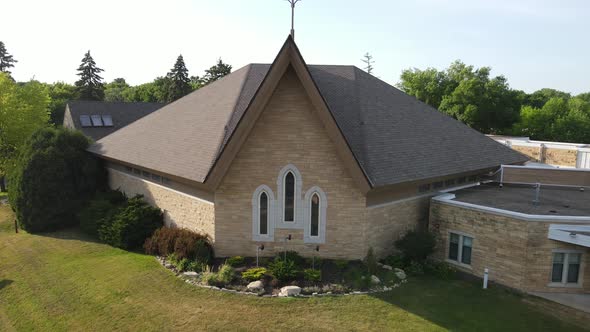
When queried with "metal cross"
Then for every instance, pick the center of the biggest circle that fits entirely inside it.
(293, 2)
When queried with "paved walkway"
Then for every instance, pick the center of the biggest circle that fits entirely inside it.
(577, 301)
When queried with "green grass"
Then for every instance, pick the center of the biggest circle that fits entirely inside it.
(65, 281)
(3, 194)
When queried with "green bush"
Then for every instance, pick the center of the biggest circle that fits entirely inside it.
(131, 225)
(183, 242)
(341, 264)
(253, 274)
(394, 261)
(52, 178)
(415, 269)
(221, 278)
(283, 270)
(293, 256)
(371, 261)
(312, 275)
(357, 278)
(440, 270)
(235, 261)
(416, 246)
(99, 210)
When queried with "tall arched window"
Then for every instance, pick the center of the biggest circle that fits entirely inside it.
(315, 215)
(263, 213)
(289, 197)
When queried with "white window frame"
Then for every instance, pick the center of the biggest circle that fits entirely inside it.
(256, 236)
(564, 282)
(460, 248)
(297, 206)
(321, 237)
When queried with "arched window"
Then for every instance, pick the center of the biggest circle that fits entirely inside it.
(263, 214)
(289, 197)
(290, 208)
(314, 228)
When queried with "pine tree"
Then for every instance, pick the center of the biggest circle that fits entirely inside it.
(368, 60)
(216, 72)
(179, 82)
(6, 60)
(90, 86)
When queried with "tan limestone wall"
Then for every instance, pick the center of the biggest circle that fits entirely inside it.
(539, 260)
(388, 222)
(289, 132)
(180, 209)
(517, 252)
(561, 157)
(499, 243)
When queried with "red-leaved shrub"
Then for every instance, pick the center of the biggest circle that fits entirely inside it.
(183, 243)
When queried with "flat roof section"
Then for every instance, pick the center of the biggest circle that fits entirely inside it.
(553, 200)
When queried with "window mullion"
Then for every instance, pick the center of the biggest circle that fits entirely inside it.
(566, 264)
(460, 249)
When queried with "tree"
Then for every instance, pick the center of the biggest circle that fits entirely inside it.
(59, 93)
(584, 96)
(52, 178)
(429, 86)
(368, 60)
(90, 86)
(23, 110)
(216, 72)
(114, 91)
(540, 97)
(6, 60)
(179, 82)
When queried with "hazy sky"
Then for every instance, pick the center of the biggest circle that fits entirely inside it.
(535, 44)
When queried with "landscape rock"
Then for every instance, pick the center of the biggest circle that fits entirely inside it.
(400, 274)
(387, 267)
(169, 266)
(255, 286)
(190, 274)
(290, 291)
(375, 280)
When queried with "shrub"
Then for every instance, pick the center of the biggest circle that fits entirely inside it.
(235, 261)
(415, 269)
(133, 223)
(341, 264)
(223, 277)
(183, 242)
(99, 210)
(440, 270)
(371, 262)
(254, 274)
(358, 279)
(283, 270)
(51, 179)
(394, 261)
(416, 246)
(312, 275)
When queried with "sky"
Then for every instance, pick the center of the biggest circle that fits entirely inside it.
(534, 44)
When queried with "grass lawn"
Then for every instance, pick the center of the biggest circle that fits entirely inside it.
(65, 281)
(3, 194)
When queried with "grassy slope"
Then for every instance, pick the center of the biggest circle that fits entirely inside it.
(63, 281)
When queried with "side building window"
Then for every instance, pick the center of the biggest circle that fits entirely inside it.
(460, 247)
(263, 202)
(566, 268)
(290, 207)
(314, 227)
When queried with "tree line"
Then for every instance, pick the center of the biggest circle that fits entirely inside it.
(489, 105)
(26, 107)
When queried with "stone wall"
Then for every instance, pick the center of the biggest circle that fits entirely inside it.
(289, 131)
(517, 252)
(180, 209)
(390, 221)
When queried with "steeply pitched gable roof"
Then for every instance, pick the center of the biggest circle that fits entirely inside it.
(394, 137)
(122, 113)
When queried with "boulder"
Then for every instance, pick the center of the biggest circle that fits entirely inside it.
(191, 274)
(387, 267)
(400, 274)
(255, 286)
(375, 280)
(290, 291)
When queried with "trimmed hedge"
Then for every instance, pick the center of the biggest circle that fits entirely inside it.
(131, 225)
(51, 179)
(183, 243)
(416, 246)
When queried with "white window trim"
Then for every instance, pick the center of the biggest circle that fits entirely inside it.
(321, 237)
(256, 236)
(460, 249)
(297, 222)
(564, 283)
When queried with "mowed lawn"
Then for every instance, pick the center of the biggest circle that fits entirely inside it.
(65, 281)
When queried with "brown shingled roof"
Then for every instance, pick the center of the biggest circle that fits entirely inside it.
(394, 137)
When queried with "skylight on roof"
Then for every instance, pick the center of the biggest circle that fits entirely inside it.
(107, 120)
(85, 121)
(96, 120)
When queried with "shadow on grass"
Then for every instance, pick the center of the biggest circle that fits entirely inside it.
(5, 283)
(72, 233)
(461, 305)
